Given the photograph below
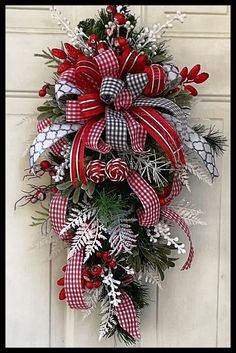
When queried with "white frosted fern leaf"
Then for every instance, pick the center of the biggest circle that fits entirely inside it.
(107, 321)
(189, 214)
(92, 297)
(122, 237)
(197, 168)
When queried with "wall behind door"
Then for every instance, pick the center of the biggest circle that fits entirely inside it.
(192, 309)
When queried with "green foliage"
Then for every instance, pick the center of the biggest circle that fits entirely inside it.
(162, 56)
(156, 255)
(42, 220)
(109, 203)
(67, 189)
(50, 108)
(214, 137)
(50, 58)
(182, 98)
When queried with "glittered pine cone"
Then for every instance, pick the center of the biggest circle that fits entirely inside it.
(96, 171)
(116, 170)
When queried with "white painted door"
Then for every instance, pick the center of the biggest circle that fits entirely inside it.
(193, 308)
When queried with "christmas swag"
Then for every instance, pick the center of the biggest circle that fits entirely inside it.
(120, 149)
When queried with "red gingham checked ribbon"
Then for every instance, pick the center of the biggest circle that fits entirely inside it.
(124, 99)
(137, 133)
(94, 140)
(69, 76)
(57, 147)
(57, 215)
(73, 286)
(150, 214)
(108, 63)
(126, 315)
(175, 189)
(173, 216)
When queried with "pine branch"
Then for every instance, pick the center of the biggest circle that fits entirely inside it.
(214, 137)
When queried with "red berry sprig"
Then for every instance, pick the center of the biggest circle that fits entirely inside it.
(192, 76)
(43, 91)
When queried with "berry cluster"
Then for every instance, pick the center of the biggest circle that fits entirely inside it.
(91, 276)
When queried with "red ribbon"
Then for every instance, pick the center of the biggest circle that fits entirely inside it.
(173, 216)
(150, 214)
(73, 282)
(126, 315)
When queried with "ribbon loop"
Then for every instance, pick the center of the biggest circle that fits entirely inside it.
(116, 130)
(110, 88)
(107, 63)
(136, 83)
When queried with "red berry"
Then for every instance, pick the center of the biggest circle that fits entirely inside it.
(99, 253)
(96, 283)
(102, 46)
(120, 41)
(201, 77)
(42, 92)
(184, 73)
(64, 66)
(64, 268)
(93, 38)
(119, 18)
(51, 172)
(72, 51)
(40, 195)
(107, 257)
(85, 272)
(60, 282)
(62, 294)
(191, 89)
(58, 53)
(44, 165)
(54, 189)
(162, 201)
(96, 270)
(89, 284)
(83, 283)
(112, 263)
(193, 72)
(110, 9)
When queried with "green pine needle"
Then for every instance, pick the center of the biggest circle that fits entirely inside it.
(214, 137)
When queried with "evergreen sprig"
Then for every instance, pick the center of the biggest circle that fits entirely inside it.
(214, 137)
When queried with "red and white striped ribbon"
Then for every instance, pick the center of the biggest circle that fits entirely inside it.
(150, 214)
(126, 315)
(57, 215)
(173, 216)
(73, 286)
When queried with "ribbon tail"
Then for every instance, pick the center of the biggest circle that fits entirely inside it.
(94, 140)
(137, 133)
(150, 213)
(173, 216)
(126, 315)
(57, 215)
(47, 138)
(77, 153)
(175, 189)
(203, 149)
(73, 286)
(116, 130)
